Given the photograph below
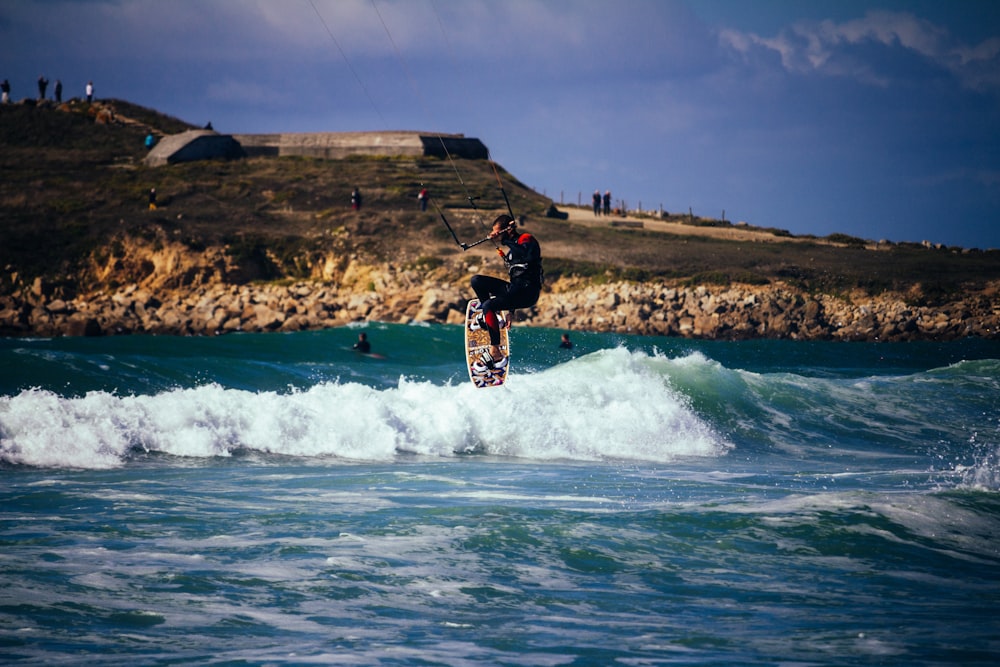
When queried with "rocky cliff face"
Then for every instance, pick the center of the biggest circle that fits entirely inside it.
(165, 288)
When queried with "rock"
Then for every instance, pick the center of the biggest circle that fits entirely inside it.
(553, 212)
(57, 306)
(83, 327)
(183, 294)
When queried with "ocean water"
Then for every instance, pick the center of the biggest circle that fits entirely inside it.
(261, 499)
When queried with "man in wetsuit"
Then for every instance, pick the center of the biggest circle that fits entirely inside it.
(523, 260)
(363, 345)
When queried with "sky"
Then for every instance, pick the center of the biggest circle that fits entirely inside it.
(878, 119)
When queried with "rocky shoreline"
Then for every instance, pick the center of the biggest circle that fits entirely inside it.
(384, 293)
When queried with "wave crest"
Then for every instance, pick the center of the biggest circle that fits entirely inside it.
(613, 404)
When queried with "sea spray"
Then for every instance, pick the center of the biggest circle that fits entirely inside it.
(559, 413)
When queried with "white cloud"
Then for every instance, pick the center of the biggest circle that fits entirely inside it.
(979, 66)
(890, 29)
(839, 49)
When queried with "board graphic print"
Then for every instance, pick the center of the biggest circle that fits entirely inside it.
(477, 341)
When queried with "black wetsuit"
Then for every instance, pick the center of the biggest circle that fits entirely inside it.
(524, 264)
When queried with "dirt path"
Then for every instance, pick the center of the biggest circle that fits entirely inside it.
(585, 216)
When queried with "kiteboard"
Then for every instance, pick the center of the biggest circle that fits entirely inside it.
(477, 341)
(370, 355)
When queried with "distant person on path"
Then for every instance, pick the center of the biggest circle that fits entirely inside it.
(43, 83)
(5, 91)
(90, 92)
(356, 199)
(422, 197)
(607, 202)
(566, 343)
(597, 202)
(363, 346)
(58, 91)
(150, 140)
(152, 199)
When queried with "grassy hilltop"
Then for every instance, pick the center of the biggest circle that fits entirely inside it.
(73, 185)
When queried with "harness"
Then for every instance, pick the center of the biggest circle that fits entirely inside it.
(525, 269)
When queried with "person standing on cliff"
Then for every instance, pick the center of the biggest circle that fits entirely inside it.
(597, 202)
(607, 202)
(43, 83)
(90, 92)
(524, 264)
(5, 90)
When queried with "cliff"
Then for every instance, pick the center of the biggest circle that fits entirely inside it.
(185, 293)
(271, 244)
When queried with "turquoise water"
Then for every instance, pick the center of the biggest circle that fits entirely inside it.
(279, 499)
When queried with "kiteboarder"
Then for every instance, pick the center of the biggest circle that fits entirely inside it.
(523, 260)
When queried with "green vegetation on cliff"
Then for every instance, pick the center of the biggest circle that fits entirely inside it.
(72, 187)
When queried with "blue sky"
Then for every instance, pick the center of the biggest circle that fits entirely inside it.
(879, 119)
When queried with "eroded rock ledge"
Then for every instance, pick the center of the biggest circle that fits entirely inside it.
(384, 293)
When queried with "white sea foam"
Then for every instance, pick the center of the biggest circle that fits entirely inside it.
(609, 405)
(984, 473)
